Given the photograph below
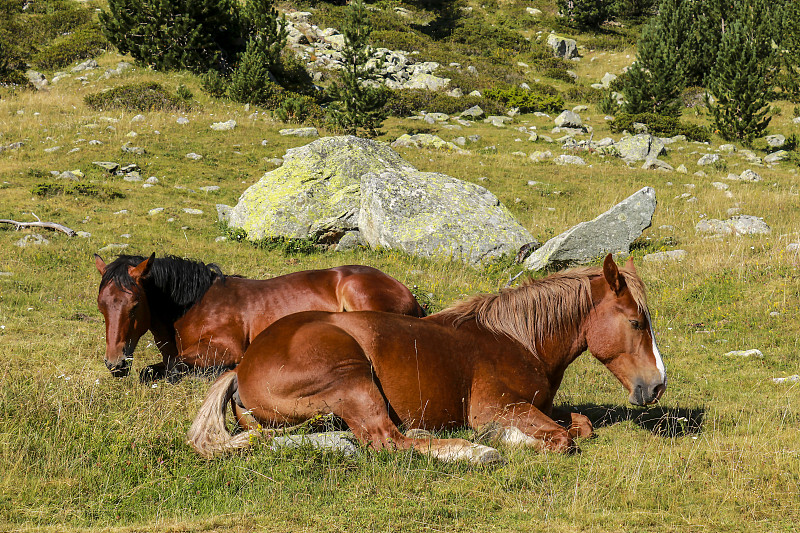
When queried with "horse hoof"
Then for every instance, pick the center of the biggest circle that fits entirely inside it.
(485, 455)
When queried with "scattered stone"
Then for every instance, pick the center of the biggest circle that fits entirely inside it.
(68, 175)
(606, 80)
(473, 112)
(34, 239)
(562, 47)
(708, 159)
(793, 247)
(682, 169)
(223, 126)
(192, 211)
(221, 238)
(657, 164)
(210, 188)
(564, 159)
(744, 353)
(132, 176)
(37, 79)
(749, 175)
(300, 132)
(426, 140)
(112, 248)
(193, 156)
(351, 240)
(498, 121)
(52, 149)
(568, 119)
(727, 148)
(127, 148)
(137, 118)
(640, 147)
(789, 379)
(121, 212)
(155, 211)
(152, 180)
(539, 156)
(332, 441)
(611, 232)
(719, 185)
(669, 255)
(775, 157)
(532, 11)
(83, 234)
(775, 141)
(737, 225)
(182, 121)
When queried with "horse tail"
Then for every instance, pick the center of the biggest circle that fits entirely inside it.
(208, 434)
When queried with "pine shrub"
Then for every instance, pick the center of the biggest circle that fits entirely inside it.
(175, 34)
(586, 14)
(84, 43)
(407, 102)
(299, 109)
(358, 100)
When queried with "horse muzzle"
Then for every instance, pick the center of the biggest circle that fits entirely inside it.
(646, 394)
(121, 368)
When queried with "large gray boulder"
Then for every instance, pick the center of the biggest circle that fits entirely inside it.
(429, 214)
(317, 189)
(611, 232)
(562, 47)
(337, 185)
(640, 147)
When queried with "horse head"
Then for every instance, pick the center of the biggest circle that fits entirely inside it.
(619, 333)
(123, 302)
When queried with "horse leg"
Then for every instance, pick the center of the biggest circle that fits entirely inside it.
(366, 414)
(523, 424)
(578, 425)
(152, 373)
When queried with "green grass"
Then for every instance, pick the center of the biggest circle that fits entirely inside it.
(81, 450)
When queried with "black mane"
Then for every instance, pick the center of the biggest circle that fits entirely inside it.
(173, 284)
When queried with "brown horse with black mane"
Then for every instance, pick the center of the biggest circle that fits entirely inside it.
(201, 318)
(496, 358)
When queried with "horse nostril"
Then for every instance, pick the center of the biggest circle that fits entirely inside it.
(659, 390)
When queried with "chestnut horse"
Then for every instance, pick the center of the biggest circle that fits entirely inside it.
(494, 360)
(201, 318)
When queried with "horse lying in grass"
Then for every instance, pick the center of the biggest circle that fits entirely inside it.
(202, 319)
(496, 358)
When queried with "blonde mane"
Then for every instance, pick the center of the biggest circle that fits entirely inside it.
(539, 308)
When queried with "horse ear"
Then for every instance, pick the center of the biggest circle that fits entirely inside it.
(100, 264)
(612, 275)
(141, 270)
(629, 265)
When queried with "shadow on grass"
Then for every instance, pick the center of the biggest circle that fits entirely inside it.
(661, 421)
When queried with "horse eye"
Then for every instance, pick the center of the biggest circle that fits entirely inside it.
(635, 324)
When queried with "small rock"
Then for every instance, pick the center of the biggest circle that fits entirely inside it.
(719, 185)
(749, 175)
(223, 126)
(121, 212)
(708, 159)
(32, 239)
(220, 239)
(192, 211)
(210, 188)
(539, 156)
(112, 248)
(300, 132)
(682, 169)
(564, 159)
(52, 149)
(127, 148)
(152, 180)
(745, 353)
(774, 157)
(789, 379)
(155, 211)
(775, 141)
(193, 156)
(137, 118)
(669, 255)
(182, 121)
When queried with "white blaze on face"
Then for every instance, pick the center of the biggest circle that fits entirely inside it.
(657, 355)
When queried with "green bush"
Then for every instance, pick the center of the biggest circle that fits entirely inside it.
(407, 102)
(482, 38)
(608, 104)
(526, 100)
(662, 125)
(589, 14)
(147, 96)
(299, 109)
(559, 74)
(214, 84)
(50, 188)
(583, 94)
(84, 43)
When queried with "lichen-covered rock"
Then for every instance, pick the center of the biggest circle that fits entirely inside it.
(315, 190)
(434, 215)
(569, 119)
(426, 140)
(737, 225)
(562, 47)
(428, 82)
(639, 147)
(611, 232)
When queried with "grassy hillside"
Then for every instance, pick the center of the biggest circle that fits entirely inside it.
(80, 450)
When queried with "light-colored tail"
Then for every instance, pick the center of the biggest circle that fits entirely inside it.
(208, 434)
